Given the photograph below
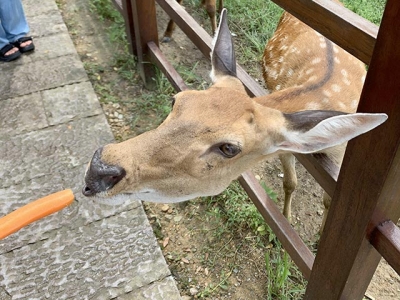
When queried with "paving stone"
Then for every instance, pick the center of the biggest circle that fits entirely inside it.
(18, 80)
(164, 289)
(22, 114)
(73, 101)
(31, 7)
(105, 259)
(46, 24)
(51, 150)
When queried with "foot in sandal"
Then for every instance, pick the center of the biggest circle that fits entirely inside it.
(9, 53)
(24, 44)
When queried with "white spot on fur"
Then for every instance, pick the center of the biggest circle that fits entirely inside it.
(283, 48)
(337, 60)
(290, 73)
(363, 79)
(278, 87)
(354, 104)
(273, 74)
(344, 72)
(316, 60)
(346, 81)
(313, 106)
(342, 105)
(335, 49)
(327, 93)
(326, 100)
(312, 78)
(309, 71)
(336, 88)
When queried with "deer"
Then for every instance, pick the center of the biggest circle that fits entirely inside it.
(211, 9)
(212, 136)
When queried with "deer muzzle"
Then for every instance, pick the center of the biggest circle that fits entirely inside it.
(100, 176)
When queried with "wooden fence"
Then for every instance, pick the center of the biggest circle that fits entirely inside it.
(361, 224)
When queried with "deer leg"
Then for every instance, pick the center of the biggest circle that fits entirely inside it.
(210, 6)
(327, 203)
(170, 29)
(220, 5)
(289, 181)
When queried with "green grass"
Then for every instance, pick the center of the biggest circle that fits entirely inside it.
(371, 10)
(236, 213)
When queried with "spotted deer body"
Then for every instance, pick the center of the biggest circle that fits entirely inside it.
(211, 9)
(304, 70)
(212, 136)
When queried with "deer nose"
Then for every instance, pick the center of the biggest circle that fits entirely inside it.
(100, 176)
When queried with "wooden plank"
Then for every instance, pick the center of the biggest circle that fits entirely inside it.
(125, 8)
(163, 64)
(368, 181)
(388, 208)
(386, 239)
(145, 28)
(345, 28)
(290, 240)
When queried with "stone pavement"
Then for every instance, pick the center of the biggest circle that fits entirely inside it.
(50, 124)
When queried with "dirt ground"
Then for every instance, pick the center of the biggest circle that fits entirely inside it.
(204, 263)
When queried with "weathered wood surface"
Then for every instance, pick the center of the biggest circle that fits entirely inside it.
(368, 187)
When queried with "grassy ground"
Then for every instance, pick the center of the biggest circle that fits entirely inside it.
(253, 23)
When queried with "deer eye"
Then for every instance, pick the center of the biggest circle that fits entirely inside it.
(229, 150)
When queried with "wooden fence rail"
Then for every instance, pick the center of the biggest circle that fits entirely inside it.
(365, 194)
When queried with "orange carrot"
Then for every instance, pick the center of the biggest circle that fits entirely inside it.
(34, 211)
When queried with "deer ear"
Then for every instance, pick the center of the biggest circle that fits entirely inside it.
(313, 131)
(223, 53)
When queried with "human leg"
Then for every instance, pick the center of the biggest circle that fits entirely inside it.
(13, 20)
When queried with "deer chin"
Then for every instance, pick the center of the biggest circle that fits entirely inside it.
(147, 195)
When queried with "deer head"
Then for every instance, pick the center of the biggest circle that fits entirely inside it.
(211, 137)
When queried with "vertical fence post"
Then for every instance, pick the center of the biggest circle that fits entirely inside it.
(129, 26)
(145, 29)
(368, 188)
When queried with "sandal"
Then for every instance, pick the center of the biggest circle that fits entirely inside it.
(10, 57)
(22, 40)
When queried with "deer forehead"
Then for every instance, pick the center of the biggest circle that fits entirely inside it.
(216, 108)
